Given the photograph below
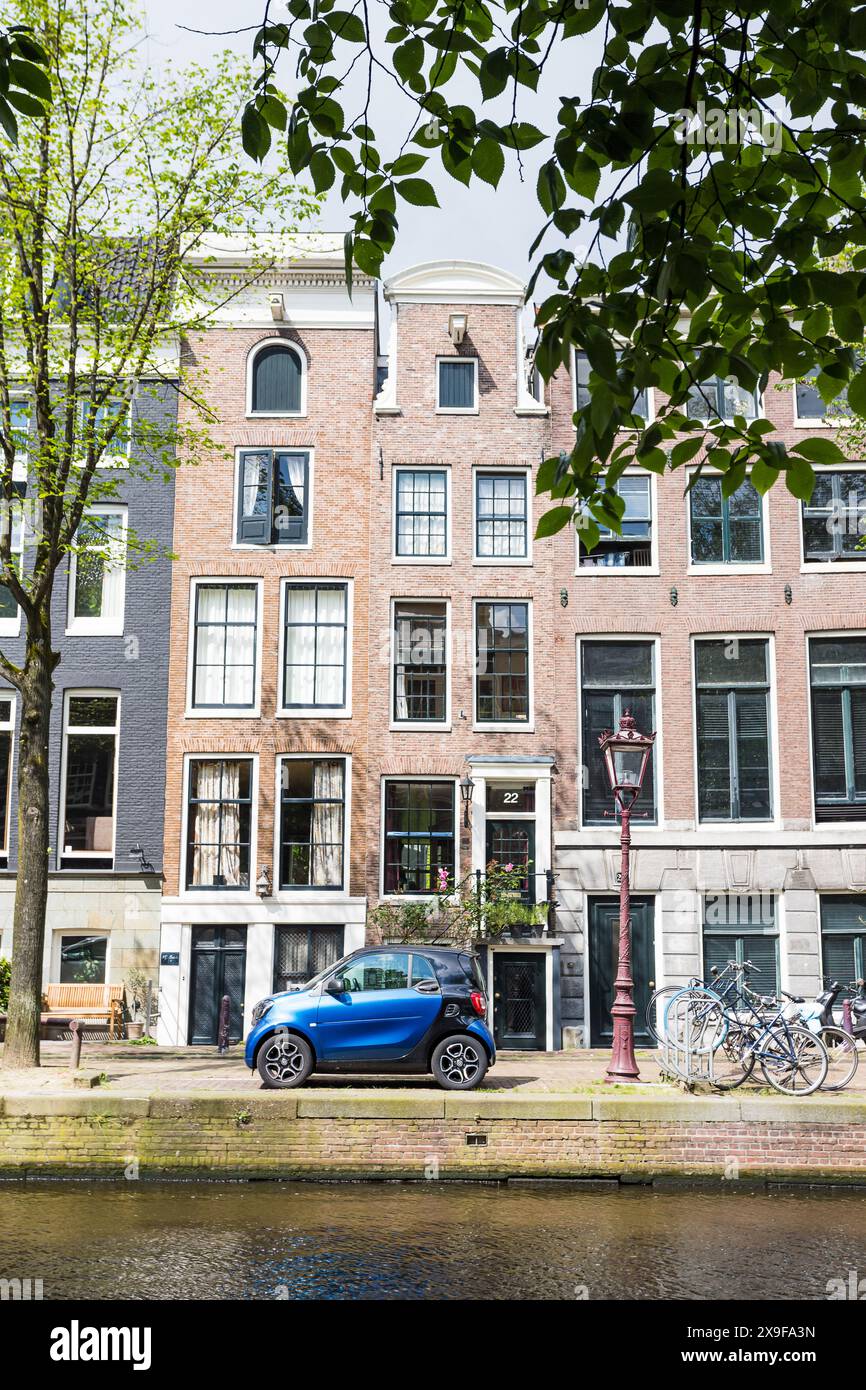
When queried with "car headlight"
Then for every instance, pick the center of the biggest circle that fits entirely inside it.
(260, 1009)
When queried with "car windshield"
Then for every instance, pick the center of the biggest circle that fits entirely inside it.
(323, 974)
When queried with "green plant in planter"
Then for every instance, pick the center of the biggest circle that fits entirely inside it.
(5, 974)
(405, 922)
(501, 906)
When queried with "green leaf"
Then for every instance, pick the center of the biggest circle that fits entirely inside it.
(348, 260)
(800, 479)
(763, 477)
(348, 26)
(408, 164)
(857, 392)
(684, 451)
(31, 78)
(322, 170)
(819, 450)
(255, 133)
(418, 192)
(553, 521)
(488, 161)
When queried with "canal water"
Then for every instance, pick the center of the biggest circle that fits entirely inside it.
(438, 1240)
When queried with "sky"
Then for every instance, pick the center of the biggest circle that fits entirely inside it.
(476, 223)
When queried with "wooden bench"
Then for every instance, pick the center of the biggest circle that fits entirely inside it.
(90, 1003)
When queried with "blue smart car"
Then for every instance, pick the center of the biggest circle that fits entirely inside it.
(398, 1009)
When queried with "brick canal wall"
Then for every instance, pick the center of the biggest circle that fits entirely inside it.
(341, 1135)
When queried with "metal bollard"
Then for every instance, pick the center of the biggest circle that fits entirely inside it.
(75, 1053)
(147, 1008)
(223, 1031)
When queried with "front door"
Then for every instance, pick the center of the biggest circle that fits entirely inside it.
(219, 963)
(603, 961)
(519, 1012)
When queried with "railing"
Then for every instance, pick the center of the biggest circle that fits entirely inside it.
(539, 892)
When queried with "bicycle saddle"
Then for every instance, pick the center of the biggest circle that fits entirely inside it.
(794, 998)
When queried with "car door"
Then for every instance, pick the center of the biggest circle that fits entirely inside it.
(381, 1015)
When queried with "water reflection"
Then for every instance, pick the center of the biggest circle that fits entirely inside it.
(393, 1240)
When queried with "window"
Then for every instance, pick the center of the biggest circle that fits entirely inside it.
(20, 412)
(725, 530)
(273, 498)
(302, 952)
(834, 518)
(457, 383)
(83, 960)
(501, 522)
(276, 381)
(101, 420)
(224, 646)
(423, 970)
(843, 937)
(315, 647)
(615, 677)
(510, 832)
(633, 548)
(733, 725)
(90, 759)
(97, 573)
(386, 970)
(837, 668)
(420, 663)
(421, 518)
(312, 820)
(719, 399)
(810, 405)
(742, 926)
(11, 514)
(419, 836)
(7, 734)
(219, 823)
(502, 663)
(640, 405)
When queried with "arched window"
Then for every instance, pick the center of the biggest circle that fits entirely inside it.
(276, 381)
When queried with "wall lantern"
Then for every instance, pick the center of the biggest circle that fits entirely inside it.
(467, 786)
(263, 882)
(457, 327)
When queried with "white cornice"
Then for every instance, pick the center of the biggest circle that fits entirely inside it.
(455, 282)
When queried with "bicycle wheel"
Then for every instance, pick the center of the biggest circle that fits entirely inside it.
(733, 1062)
(794, 1061)
(842, 1058)
(695, 1020)
(655, 1010)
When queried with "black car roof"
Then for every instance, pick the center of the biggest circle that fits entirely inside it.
(419, 947)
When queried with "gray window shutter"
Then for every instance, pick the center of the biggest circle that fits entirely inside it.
(256, 497)
(457, 385)
(277, 380)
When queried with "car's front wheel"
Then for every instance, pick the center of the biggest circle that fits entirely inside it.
(459, 1063)
(284, 1060)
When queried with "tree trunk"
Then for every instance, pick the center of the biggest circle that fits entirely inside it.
(31, 887)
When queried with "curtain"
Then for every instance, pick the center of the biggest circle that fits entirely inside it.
(330, 647)
(210, 643)
(327, 830)
(205, 824)
(231, 825)
(300, 657)
(240, 644)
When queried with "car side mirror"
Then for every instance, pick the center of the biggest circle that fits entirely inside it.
(336, 985)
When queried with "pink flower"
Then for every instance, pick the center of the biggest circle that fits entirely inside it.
(443, 878)
(508, 868)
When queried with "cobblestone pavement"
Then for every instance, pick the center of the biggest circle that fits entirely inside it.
(143, 1070)
(133, 1069)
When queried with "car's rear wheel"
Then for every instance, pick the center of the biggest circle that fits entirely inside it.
(459, 1062)
(284, 1060)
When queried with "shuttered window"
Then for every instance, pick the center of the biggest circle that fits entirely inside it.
(276, 384)
(733, 698)
(457, 383)
(834, 518)
(743, 927)
(843, 937)
(838, 678)
(615, 677)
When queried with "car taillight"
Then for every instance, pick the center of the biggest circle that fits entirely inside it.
(479, 1003)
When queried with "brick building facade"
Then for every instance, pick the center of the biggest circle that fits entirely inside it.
(361, 620)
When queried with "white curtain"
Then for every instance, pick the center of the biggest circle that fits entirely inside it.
(300, 686)
(327, 831)
(213, 781)
(330, 646)
(240, 647)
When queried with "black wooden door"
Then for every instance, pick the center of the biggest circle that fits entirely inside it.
(603, 960)
(519, 1012)
(219, 963)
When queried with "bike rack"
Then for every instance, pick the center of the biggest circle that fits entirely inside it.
(684, 1057)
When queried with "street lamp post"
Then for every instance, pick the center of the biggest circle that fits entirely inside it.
(626, 758)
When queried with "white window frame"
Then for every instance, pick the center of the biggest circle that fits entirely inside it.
(729, 419)
(824, 422)
(117, 458)
(110, 624)
(313, 712)
(226, 711)
(499, 561)
(854, 830)
(505, 726)
(458, 409)
(88, 692)
(445, 559)
(650, 397)
(835, 567)
(739, 827)
(765, 566)
(290, 345)
(8, 727)
(415, 897)
(633, 572)
(540, 774)
(274, 548)
(11, 627)
(657, 753)
(19, 467)
(420, 725)
(231, 896)
(61, 933)
(308, 894)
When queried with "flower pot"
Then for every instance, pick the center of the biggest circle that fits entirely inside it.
(135, 1030)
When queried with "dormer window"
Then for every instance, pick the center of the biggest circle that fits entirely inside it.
(276, 380)
(457, 384)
